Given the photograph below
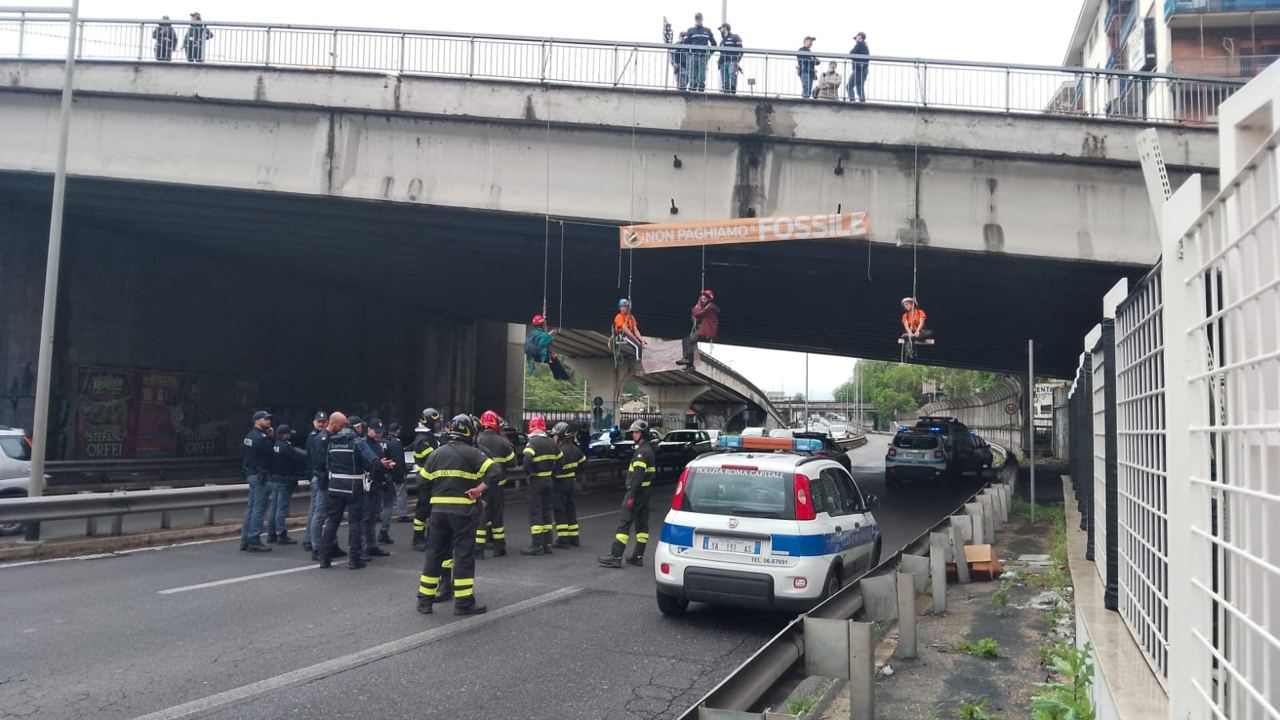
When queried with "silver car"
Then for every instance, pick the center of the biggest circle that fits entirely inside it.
(15, 469)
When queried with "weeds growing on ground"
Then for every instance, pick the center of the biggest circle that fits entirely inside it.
(985, 648)
(976, 710)
(1067, 698)
(801, 705)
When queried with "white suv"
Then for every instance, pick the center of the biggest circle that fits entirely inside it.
(15, 469)
(764, 525)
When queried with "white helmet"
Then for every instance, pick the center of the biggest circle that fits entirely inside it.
(911, 300)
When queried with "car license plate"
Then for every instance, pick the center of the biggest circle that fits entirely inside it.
(731, 545)
(914, 454)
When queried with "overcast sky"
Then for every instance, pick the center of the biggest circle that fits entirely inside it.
(1012, 31)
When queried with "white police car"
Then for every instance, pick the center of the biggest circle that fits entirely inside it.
(916, 454)
(764, 525)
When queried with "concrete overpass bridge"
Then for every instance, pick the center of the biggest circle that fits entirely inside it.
(714, 391)
(374, 194)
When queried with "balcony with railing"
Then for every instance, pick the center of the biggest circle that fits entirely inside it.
(1235, 66)
(1188, 7)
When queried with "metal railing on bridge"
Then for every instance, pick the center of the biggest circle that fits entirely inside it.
(1006, 88)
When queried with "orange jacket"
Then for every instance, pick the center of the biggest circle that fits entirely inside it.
(914, 319)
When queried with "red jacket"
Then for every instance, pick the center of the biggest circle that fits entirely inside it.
(708, 319)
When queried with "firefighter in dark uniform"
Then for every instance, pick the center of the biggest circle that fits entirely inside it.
(566, 472)
(395, 481)
(492, 531)
(459, 475)
(379, 482)
(540, 458)
(425, 441)
(349, 461)
(635, 505)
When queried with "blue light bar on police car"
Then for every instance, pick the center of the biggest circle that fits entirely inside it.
(737, 442)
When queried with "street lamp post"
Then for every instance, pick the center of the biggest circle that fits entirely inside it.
(40, 423)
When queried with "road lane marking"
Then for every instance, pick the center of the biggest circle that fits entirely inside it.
(354, 660)
(232, 581)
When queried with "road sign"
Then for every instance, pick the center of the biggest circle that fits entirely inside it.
(1011, 408)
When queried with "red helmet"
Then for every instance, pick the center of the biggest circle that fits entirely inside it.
(710, 295)
(539, 320)
(489, 419)
(537, 424)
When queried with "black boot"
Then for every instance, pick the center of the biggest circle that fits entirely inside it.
(561, 544)
(546, 543)
(424, 605)
(536, 548)
(357, 564)
(479, 553)
(325, 564)
(286, 540)
(470, 608)
(257, 546)
(376, 551)
(420, 540)
(384, 538)
(306, 546)
(612, 561)
(636, 561)
(271, 539)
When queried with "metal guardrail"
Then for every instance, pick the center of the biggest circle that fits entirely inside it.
(594, 475)
(75, 475)
(1007, 88)
(759, 674)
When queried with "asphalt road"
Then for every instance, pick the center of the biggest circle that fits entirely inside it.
(202, 630)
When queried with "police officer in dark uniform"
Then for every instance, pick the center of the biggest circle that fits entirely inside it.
(540, 458)
(288, 467)
(379, 483)
(424, 443)
(701, 39)
(459, 474)
(635, 505)
(316, 440)
(566, 474)
(258, 455)
(492, 531)
(349, 460)
(395, 480)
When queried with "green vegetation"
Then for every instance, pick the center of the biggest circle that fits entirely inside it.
(543, 392)
(801, 705)
(1000, 597)
(1067, 698)
(973, 711)
(986, 648)
(896, 389)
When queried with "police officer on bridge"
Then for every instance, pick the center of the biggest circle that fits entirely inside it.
(459, 474)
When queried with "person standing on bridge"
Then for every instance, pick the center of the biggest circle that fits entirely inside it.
(706, 326)
(349, 461)
(166, 39)
(858, 77)
(459, 475)
(730, 59)
(635, 504)
(540, 458)
(424, 443)
(492, 529)
(829, 83)
(566, 475)
(258, 455)
(194, 40)
(288, 466)
(700, 39)
(807, 67)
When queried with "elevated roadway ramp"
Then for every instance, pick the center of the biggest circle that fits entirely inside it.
(716, 392)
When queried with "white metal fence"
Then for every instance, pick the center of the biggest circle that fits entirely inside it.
(1228, 307)
(1192, 554)
(1142, 527)
(773, 73)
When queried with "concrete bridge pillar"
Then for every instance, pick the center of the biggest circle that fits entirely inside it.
(716, 415)
(673, 401)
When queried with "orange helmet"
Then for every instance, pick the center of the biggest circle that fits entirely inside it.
(537, 424)
(489, 419)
